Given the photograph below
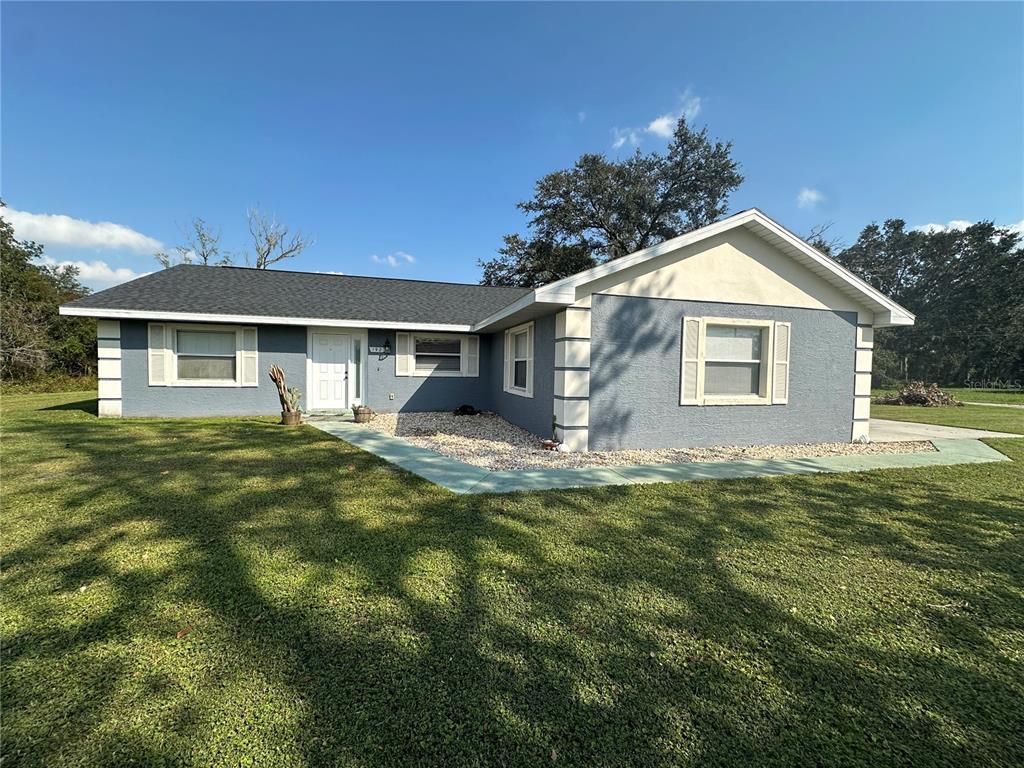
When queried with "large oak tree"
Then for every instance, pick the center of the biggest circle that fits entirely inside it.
(602, 209)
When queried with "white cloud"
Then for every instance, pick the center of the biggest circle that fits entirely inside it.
(959, 225)
(809, 198)
(57, 229)
(664, 125)
(328, 272)
(624, 135)
(956, 225)
(96, 274)
(394, 260)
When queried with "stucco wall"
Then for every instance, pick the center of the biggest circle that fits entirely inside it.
(278, 344)
(634, 383)
(421, 393)
(532, 413)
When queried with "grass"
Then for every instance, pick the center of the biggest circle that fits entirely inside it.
(229, 592)
(973, 416)
(998, 396)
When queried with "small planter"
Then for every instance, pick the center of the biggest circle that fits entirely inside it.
(291, 418)
(549, 445)
(361, 414)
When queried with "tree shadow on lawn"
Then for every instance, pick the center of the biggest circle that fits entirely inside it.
(341, 611)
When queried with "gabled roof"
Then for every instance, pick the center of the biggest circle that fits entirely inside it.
(238, 294)
(190, 292)
(564, 292)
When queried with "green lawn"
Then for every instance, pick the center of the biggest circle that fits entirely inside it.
(229, 592)
(974, 416)
(972, 395)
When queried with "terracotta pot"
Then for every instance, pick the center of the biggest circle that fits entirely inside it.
(361, 414)
(291, 418)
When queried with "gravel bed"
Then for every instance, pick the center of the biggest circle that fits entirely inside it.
(487, 440)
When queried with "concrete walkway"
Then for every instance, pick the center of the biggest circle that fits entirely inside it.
(888, 431)
(460, 477)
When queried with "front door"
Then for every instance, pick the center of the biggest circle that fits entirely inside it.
(331, 355)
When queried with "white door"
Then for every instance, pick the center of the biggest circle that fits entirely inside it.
(331, 353)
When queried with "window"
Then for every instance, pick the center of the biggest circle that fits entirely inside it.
(436, 354)
(732, 360)
(205, 355)
(202, 356)
(519, 360)
(729, 361)
(357, 368)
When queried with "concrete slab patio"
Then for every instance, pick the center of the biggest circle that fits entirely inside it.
(460, 477)
(888, 431)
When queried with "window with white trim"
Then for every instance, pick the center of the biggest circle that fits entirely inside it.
(730, 361)
(436, 354)
(519, 360)
(202, 356)
(205, 355)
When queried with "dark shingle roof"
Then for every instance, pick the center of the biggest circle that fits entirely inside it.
(277, 293)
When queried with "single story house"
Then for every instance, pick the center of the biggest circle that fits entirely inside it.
(738, 333)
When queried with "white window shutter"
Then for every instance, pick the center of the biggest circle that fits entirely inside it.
(470, 355)
(689, 371)
(508, 360)
(402, 355)
(250, 358)
(159, 356)
(780, 365)
(529, 361)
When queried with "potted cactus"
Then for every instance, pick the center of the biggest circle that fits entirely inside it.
(362, 414)
(291, 414)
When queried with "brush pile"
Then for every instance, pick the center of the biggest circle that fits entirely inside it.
(919, 393)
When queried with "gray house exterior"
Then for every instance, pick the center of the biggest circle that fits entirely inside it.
(736, 334)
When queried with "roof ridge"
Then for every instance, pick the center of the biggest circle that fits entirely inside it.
(359, 277)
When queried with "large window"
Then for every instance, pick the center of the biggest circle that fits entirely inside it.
(206, 355)
(195, 355)
(519, 360)
(730, 361)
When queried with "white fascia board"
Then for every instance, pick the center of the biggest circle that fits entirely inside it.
(198, 317)
(889, 319)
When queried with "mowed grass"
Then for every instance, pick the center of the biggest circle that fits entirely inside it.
(973, 416)
(1006, 397)
(230, 592)
(966, 394)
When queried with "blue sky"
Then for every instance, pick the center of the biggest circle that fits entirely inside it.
(393, 130)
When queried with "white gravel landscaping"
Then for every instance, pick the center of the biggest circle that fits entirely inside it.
(488, 441)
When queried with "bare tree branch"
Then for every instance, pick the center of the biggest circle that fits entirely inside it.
(271, 241)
